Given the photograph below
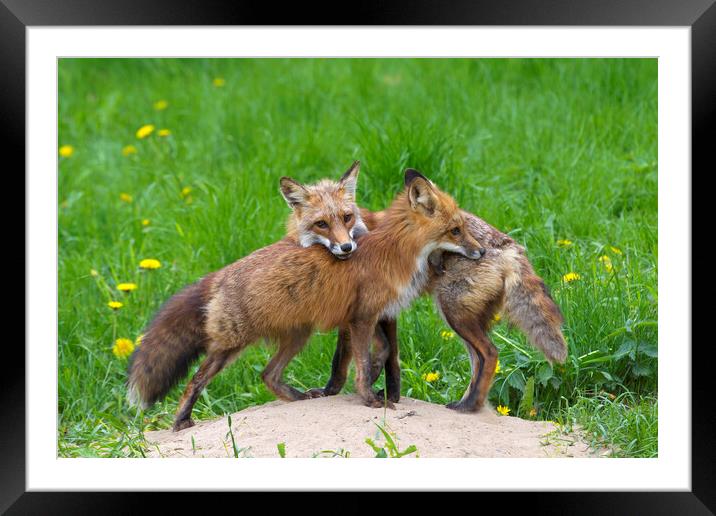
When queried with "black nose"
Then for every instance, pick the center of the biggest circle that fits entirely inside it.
(346, 247)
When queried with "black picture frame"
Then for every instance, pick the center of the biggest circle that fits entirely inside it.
(699, 15)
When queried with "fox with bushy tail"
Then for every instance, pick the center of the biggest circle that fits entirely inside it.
(469, 294)
(172, 342)
(284, 292)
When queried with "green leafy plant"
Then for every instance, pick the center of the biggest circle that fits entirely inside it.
(390, 448)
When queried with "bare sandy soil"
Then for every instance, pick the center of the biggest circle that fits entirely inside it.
(339, 423)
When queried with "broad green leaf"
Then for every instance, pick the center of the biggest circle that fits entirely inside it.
(527, 401)
(641, 369)
(649, 350)
(627, 347)
(544, 373)
(517, 380)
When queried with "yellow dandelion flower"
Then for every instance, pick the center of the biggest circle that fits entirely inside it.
(564, 243)
(185, 191)
(125, 197)
(164, 132)
(497, 367)
(431, 377)
(127, 287)
(66, 151)
(446, 334)
(219, 82)
(615, 250)
(503, 410)
(115, 305)
(150, 263)
(128, 150)
(145, 131)
(146, 222)
(138, 340)
(606, 262)
(94, 273)
(571, 276)
(533, 412)
(123, 348)
(497, 318)
(161, 105)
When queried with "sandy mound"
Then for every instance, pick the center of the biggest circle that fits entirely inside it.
(342, 423)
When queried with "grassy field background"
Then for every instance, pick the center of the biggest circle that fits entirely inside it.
(561, 154)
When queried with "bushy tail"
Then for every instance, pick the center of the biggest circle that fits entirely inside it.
(174, 339)
(530, 307)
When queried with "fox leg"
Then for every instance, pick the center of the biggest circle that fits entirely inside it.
(342, 359)
(483, 361)
(212, 364)
(390, 358)
(361, 333)
(339, 366)
(380, 353)
(289, 346)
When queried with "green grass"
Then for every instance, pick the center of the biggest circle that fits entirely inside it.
(542, 149)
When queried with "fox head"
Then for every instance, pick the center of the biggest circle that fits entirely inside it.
(438, 218)
(325, 213)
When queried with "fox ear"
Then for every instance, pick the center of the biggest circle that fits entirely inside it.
(412, 174)
(421, 195)
(349, 180)
(294, 193)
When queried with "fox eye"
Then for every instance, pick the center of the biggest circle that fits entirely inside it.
(347, 217)
(322, 224)
(455, 231)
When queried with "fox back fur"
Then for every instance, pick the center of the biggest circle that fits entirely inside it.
(468, 294)
(283, 292)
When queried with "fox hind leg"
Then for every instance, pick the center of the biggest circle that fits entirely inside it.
(384, 341)
(214, 362)
(339, 367)
(289, 346)
(483, 361)
(389, 357)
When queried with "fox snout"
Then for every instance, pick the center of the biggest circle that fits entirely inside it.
(472, 248)
(476, 254)
(343, 250)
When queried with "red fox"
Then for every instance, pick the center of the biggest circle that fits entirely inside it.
(468, 294)
(283, 292)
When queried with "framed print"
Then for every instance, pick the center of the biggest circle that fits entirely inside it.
(464, 235)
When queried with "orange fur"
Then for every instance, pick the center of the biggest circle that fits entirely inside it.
(283, 292)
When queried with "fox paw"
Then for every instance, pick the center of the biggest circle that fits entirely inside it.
(316, 393)
(461, 407)
(379, 403)
(395, 398)
(182, 425)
